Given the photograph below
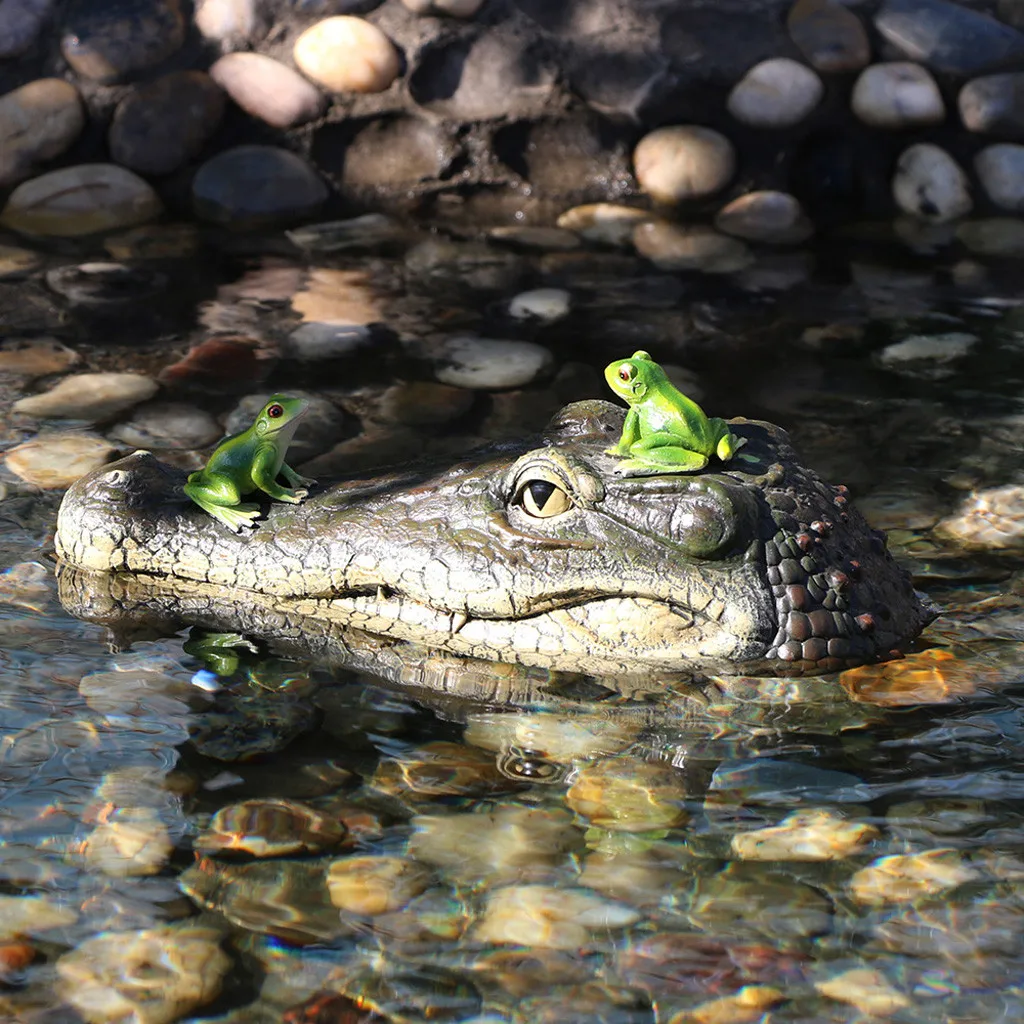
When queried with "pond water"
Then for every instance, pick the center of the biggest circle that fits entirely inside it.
(244, 837)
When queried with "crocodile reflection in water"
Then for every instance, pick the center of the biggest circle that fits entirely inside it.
(532, 552)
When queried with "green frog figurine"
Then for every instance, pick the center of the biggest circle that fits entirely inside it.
(664, 431)
(251, 461)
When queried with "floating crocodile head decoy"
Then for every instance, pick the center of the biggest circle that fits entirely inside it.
(533, 552)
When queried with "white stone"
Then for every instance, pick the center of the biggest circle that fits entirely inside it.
(56, 461)
(776, 93)
(226, 19)
(89, 396)
(604, 223)
(453, 8)
(1001, 173)
(927, 348)
(347, 54)
(682, 162)
(767, 216)
(81, 200)
(267, 89)
(899, 94)
(930, 184)
(548, 304)
(691, 247)
(490, 364)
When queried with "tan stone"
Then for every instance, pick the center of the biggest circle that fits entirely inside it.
(902, 878)
(89, 396)
(866, 989)
(338, 297)
(267, 89)
(38, 121)
(375, 885)
(804, 835)
(56, 461)
(347, 54)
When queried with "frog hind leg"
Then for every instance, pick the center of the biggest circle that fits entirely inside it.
(219, 496)
(660, 453)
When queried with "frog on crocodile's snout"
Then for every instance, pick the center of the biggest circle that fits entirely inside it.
(664, 432)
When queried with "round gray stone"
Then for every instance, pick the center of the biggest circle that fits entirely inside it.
(489, 364)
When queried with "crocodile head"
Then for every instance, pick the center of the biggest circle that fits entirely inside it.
(536, 552)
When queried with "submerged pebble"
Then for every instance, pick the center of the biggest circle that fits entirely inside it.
(270, 828)
(37, 122)
(35, 357)
(902, 878)
(132, 842)
(89, 396)
(628, 795)
(805, 836)
(604, 223)
(866, 989)
(1000, 170)
(168, 425)
(375, 885)
(489, 364)
(56, 461)
(773, 217)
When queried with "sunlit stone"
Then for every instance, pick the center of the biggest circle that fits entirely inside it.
(338, 297)
(805, 835)
(539, 915)
(32, 915)
(866, 989)
(629, 795)
(554, 737)
(346, 54)
(903, 878)
(682, 162)
(375, 885)
(766, 216)
(747, 1006)
(132, 842)
(89, 396)
(269, 828)
(934, 676)
(56, 461)
(605, 223)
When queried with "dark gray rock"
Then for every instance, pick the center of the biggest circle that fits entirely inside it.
(948, 37)
(994, 104)
(20, 23)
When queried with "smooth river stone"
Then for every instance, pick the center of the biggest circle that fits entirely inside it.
(347, 54)
(490, 364)
(930, 184)
(831, 37)
(257, 186)
(697, 247)
(89, 396)
(604, 223)
(681, 162)
(161, 124)
(226, 19)
(948, 37)
(80, 200)
(994, 104)
(168, 425)
(866, 989)
(38, 121)
(1000, 170)
(106, 41)
(268, 89)
(56, 461)
(898, 94)
(777, 93)
(35, 357)
(768, 216)
(20, 22)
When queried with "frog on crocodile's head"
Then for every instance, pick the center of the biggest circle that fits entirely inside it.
(664, 432)
(251, 461)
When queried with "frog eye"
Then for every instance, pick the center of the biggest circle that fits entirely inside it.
(626, 372)
(542, 499)
(275, 410)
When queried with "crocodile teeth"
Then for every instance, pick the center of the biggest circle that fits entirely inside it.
(459, 619)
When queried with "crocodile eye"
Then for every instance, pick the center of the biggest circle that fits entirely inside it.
(275, 411)
(543, 499)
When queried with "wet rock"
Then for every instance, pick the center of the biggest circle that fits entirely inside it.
(908, 877)
(1000, 170)
(866, 989)
(101, 286)
(267, 89)
(162, 124)
(133, 842)
(996, 236)
(451, 8)
(930, 184)
(537, 915)
(926, 351)
(508, 842)
(38, 121)
(338, 297)
(546, 304)
(640, 877)
(776, 272)
(441, 768)
(898, 94)
(314, 342)
(168, 425)
(946, 36)
(347, 54)
(318, 430)
(605, 223)
(257, 186)
(228, 363)
(628, 795)
(17, 263)
(269, 828)
(773, 217)
(555, 738)
(804, 836)
(437, 262)
(35, 357)
(108, 41)
(490, 365)
(20, 24)
(56, 461)
(80, 201)
(690, 247)
(394, 151)
(227, 20)
(681, 162)
(375, 885)
(499, 74)
(777, 93)
(417, 403)
(22, 916)
(89, 396)
(154, 242)
(935, 676)
(952, 931)
(830, 36)
(988, 520)
(748, 1006)
(535, 239)
(153, 976)
(139, 692)
(994, 105)
(370, 231)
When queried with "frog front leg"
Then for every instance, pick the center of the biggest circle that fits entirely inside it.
(728, 443)
(661, 452)
(295, 479)
(219, 495)
(630, 434)
(264, 472)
